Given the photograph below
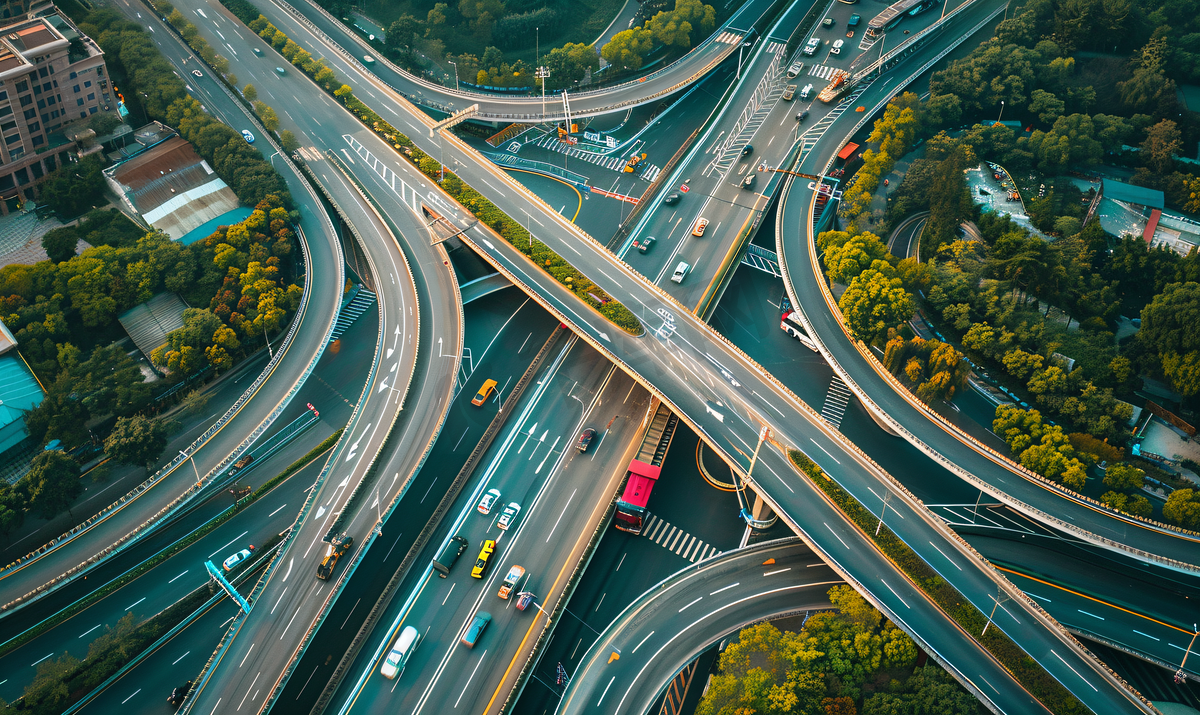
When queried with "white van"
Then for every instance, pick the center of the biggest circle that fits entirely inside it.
(394, 664)
(680, 271)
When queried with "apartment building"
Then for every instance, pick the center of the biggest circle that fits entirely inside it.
(50, 75)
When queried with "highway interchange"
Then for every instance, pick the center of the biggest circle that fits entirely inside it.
(417, 382)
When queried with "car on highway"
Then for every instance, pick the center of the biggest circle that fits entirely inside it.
(510, 581)
(854, 20)
(478, 625)
(806, 92)
(789, 92)
(795, 69)
(837, 47)
(585, 439)
(247, 136)
(810, 48)
(508, 516)
(258, 52)
(748, 181)
(827, 22)
(748, 150)
(402, 650)
(802, 116)
(197, 73)
(701, 224)
(238, 558)
(485, 391)
(645, 244)
(680, 271)
(449, 555)
(671, 199)
(488, 501)
(175, 699)
(524, 598)
(280, 71)
(486, 549)
(338, 546)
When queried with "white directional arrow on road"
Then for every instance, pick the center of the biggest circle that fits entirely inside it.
(395, 340)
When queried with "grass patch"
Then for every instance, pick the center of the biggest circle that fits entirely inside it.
(132, 574)
(1025, 669)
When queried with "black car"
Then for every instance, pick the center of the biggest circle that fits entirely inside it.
(748, 182)
(748, 150)
(178, 694)
(802, 116)
(671, 199)
(585, 439)
(645, 244)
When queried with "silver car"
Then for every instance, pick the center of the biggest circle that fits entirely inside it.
(508, 516)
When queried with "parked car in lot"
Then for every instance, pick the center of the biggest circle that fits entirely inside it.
(508, 516)
(701, 224)
(585, 439)
(644, 244)
(238, 558)
(510, 581)
(478, 625)
(488, 501)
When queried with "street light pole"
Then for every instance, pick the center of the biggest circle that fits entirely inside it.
(542, 73)
(455, 72)
(739, 72)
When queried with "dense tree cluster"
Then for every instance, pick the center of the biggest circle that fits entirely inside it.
(848, 661)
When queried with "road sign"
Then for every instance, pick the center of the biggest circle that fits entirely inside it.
(684, 188)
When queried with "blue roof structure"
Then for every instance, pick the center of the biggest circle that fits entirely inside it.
(19, 393)
(1140, 195)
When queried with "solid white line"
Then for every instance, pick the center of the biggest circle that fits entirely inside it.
(131, 696)
(606, 687)
(181, 657)
(726, 588)
(91, 630)
(824, 450)
(772, 573)
(943, 554)
(639, 645)
(690, 604)
(885, 583)
(1148, 636)
(464, 690)
(1076, 672)
(275, 512)
(560, 516)
(177, 577)
(827, 526)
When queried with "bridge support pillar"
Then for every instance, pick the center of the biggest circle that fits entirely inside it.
(883, 424)
(764, 517)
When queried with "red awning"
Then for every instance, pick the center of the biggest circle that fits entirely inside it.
(847, 151)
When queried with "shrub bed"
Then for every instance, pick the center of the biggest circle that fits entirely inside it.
(1025, 669)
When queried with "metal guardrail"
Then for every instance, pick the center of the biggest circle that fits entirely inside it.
(168, 511)
(540, 167)
(718, 59)
(447, 500)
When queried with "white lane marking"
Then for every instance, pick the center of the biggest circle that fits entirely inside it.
(275, 512)
(725, 588)
(239, 707)
(177, 577)
(227, 545)
(468, 683)
(943, 554)
(1093, 615)
(691, 604)
(1148, 636)
(143, 598)
(81, 636)
(131, 696)
(639, 645)
(247, 655)
(827, 526)
(46, 658)
(606, 687)
(885, 583)
(826, 451)
(181, 658)
(772, 573)
(1076, 672)
(560, 516)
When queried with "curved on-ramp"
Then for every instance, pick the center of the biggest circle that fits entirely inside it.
(887, 400)
(680, 617)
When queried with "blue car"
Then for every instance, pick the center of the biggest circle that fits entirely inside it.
(247, 136)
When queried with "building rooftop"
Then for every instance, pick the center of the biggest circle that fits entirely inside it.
(148, 323)
(19, 393)
(1120, 191)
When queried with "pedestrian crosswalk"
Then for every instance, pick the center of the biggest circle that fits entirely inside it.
(729, 38)
(836, 399)
(677, 540)
(774, 47)
(821, 71)
(644, 170)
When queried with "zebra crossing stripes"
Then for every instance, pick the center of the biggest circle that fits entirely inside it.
(774, 47)
(677, 540)
(646, 171)
(836, 400)
(821, 71)
(729, 38)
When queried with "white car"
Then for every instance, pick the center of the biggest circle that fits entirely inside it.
(680, 271)
(794, 69)
(405, 644)
(837, 47)
(237, 558)
(197, 73)
(806, 92)
(509, 515)
(488, 501)
(247, 136)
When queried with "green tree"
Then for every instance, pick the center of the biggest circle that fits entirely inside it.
(845, 261)
(74, 188)
(872, 303)
(1124, 476)
(1163, 142)
(250, 93)
(60, 243)
(569, 64)
(52, 483)
(402, 33)
(669, 29)
(288, 141)
(1046, 106)
(628, 48)
(1183, 508)
(12, 509)
(136, 440)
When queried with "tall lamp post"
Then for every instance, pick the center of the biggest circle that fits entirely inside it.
(543, 73)
(455, 72)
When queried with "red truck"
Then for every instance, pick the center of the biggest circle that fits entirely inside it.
(631, 507)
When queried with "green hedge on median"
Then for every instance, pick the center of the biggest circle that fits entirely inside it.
(1025, 669)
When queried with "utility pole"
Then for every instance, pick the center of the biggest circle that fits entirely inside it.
(542, 73)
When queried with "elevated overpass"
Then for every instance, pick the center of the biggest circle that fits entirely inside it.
(726, 398)
(557, 106)
(894, 406)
